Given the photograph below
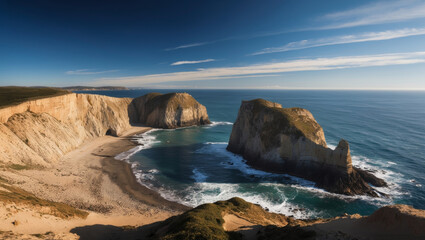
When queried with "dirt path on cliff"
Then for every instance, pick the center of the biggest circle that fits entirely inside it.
(88, 178)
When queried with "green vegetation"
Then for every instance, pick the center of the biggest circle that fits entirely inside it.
(18, 167)
(16, 95)
(204, 222)
(288, 121)
(175, 100)
(20, 196)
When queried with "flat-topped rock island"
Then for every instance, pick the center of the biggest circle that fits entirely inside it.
(289, 140)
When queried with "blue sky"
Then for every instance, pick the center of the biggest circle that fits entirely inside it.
(214, 44)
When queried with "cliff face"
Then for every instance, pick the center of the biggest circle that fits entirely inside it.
(289, 140)
(40, 131)
(170, 110)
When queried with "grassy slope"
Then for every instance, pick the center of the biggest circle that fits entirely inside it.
(173, 100)
(284, 120)
(19, 196)
(205, 222)
(16, 95)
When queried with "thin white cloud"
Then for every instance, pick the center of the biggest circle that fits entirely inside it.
(317, 64)
(369, 14)
(87, 72)
(377, 13)
(345, 39)
(188, 46)
(192, 62)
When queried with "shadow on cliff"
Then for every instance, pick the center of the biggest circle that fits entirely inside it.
(133, 114)
(110, 232)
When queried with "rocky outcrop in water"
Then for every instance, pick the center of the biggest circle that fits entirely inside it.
(170, 110)
(289, 140)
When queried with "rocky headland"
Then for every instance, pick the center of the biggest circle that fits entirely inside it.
(39, 132)
(289, 140)
(170, 110)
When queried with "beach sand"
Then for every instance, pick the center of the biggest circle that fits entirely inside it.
(90, 179)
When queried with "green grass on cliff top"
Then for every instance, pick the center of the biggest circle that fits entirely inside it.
(284, 120)
(10, 96)
(204, 222)
(172, 100)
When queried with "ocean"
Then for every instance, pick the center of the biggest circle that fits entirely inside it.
(385, 129)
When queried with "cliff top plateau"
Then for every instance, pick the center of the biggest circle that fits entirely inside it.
(175, 109)
(14, 95)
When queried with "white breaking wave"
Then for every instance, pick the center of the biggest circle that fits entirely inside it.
(145, 141)
(380, 170)
(219, 123)
(331, 146)
(205, 192)
(237, 162)
(213, 123)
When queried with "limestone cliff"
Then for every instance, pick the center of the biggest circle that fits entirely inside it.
(289, 140)
(40, 131)
(170, 110)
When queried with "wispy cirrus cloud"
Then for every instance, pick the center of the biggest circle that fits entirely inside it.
(188, 45)
(315, 64)
(369, 14)
(192, 62)
(376, 13)
(88, 72)
(344, 39)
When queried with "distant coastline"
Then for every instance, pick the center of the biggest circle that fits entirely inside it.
(88, 88)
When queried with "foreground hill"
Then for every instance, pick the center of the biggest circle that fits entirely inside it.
(237, 219)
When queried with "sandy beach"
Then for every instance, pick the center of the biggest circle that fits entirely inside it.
(90, 179)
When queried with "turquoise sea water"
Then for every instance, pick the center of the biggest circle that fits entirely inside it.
(386, 132)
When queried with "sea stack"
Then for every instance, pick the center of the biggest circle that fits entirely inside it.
(289, 140)
(170, 110)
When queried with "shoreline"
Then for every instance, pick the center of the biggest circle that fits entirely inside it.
(122, 174)
(88, 178)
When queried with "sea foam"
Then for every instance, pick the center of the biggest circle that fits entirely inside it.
(145, 141)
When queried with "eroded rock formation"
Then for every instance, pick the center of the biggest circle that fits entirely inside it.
(289, 140)
(39, 132)
(170, 110)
